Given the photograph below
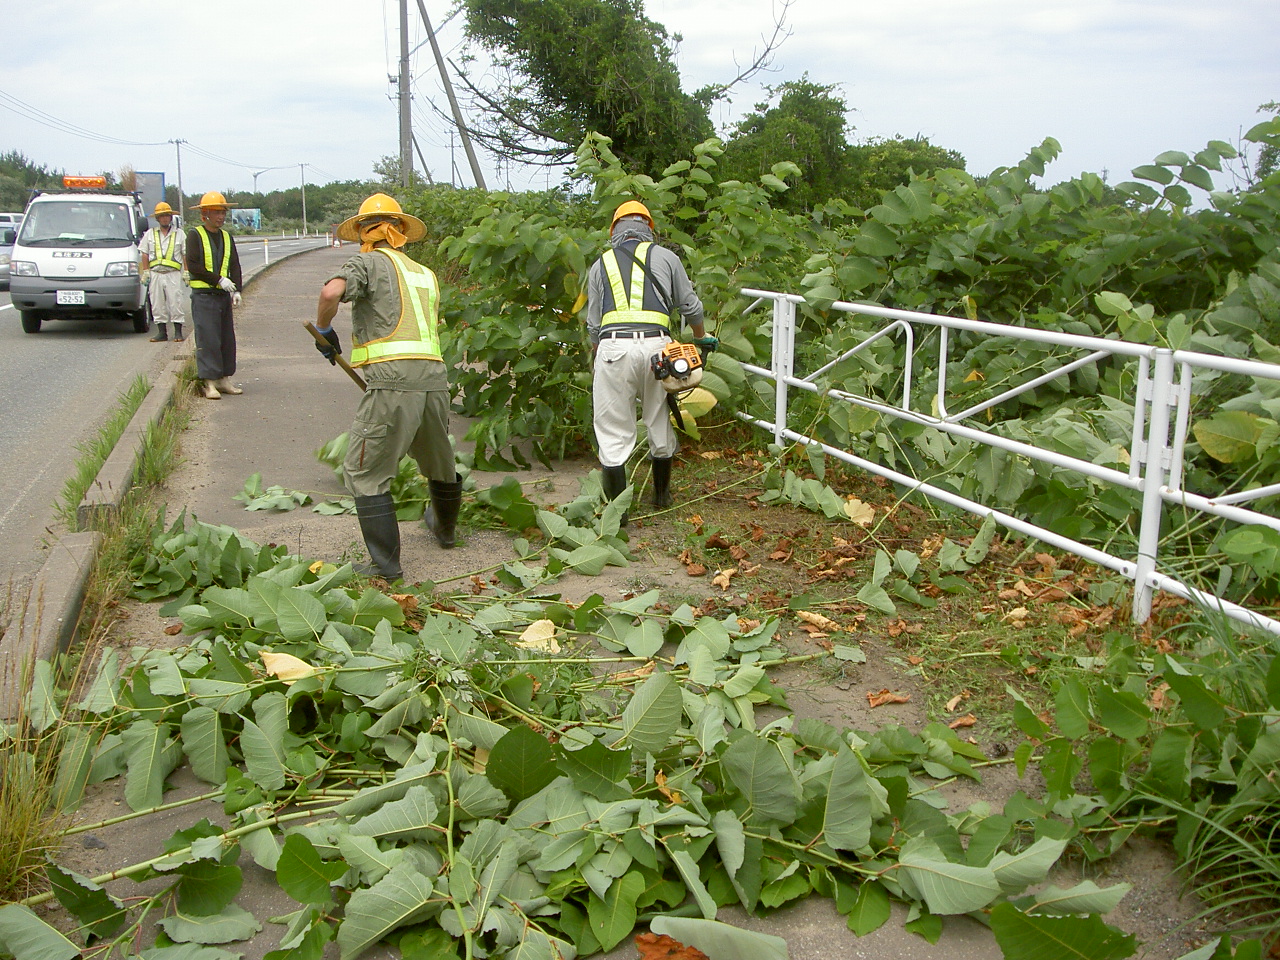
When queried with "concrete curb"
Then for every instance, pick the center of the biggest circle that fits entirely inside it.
(50, 613)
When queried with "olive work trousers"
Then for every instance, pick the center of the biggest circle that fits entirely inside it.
(215, 328)
(390, 423)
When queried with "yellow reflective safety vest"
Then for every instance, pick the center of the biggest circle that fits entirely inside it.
(164, 258)
(207, 246)
(416, 336)
(630, 307)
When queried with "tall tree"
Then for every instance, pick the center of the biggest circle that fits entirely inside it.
(571, 67)
(809, 126)
(881, 163)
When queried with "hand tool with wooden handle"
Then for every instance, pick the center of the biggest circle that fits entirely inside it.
(342, 361)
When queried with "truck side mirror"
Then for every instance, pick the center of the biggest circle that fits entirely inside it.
(7, 237)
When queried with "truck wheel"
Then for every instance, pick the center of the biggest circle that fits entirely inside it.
(140, 322)
(30, 321)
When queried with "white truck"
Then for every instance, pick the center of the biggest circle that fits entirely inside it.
(76, 256)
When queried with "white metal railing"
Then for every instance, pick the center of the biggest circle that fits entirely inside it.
(1161, 419)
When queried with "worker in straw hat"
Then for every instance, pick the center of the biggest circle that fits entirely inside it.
(396, 343)
(162, 253)
(633, 291)
(214, 266)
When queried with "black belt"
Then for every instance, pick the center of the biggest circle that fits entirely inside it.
(632, 334)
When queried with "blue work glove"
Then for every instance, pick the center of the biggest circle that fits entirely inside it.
(333, 348)
(706, 345)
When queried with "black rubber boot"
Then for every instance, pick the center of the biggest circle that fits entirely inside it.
(661, 482)
(441, 517)
(614, 481)
(177, 333)
(381, 532)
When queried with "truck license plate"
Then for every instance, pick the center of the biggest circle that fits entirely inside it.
(68, 297)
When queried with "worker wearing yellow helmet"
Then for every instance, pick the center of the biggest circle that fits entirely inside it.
(161, 261)
(633, 291)
(405, 409)
(214, 267)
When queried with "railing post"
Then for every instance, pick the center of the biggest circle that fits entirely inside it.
(1155, 470)
(784, 334)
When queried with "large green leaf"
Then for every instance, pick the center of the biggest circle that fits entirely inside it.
(652, 716)
(24, 936)
(1229, 436)
(303, 875)
(207, 887)
(756, 767)
(234, 923)
(866, 905)
(1024, 936)
(717, 939)
(402, 897)
(1122, 713)
(406, 819)
(99, 913)
(41, 706)
(152, 756)
(1084, 897)
(613, 917)
(1017, 871)
(300, 615)
(263, 742)
(370, 798)
(448, 637)
(945, 887)
(76, 747)
(853, 802)
(521, 763)
(596, 770)
(204, 744)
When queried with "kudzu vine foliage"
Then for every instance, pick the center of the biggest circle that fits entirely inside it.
(1137, 261)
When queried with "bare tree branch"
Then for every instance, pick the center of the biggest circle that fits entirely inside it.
(762, 62)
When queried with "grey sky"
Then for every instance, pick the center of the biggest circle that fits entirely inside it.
(284, 82)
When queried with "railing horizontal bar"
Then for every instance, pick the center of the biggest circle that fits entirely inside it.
(1119, 347)
(884, 332)
(1029, 385)
(1246, 495)
(1249, 368)
(1106, 474)
(1211, 602)
(1102, 559)
(1218, 508)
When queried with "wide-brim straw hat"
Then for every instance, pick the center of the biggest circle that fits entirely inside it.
(413, 228)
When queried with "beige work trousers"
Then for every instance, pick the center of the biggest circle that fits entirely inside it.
(623, 376)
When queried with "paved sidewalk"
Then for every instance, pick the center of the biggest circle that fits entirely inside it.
(293, 403)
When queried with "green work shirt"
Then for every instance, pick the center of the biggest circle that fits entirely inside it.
(374, 294)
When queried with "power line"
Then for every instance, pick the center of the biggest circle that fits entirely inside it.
(35, 114)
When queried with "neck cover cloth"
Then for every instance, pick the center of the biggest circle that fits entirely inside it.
(375, 232)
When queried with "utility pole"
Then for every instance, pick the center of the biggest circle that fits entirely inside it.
(406, 127)
(453, 101)
(182, 197)
(303, 168)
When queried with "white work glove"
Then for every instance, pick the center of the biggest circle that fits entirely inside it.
(224, 283)
(186, 277)
(235, 299)
(145, 276)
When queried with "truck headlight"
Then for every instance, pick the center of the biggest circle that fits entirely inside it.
(23, 268)
(125, 269)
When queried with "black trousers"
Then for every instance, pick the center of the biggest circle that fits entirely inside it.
(215, 334)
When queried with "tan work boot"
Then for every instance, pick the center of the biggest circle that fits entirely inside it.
(226, 386)
(209, 391)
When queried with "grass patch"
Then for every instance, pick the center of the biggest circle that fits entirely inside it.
(94, 452)
(30, 827)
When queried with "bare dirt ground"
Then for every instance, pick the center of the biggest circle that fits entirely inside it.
(293, 403)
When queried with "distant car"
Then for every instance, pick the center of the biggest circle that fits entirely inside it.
(13, 220)
(7, 235)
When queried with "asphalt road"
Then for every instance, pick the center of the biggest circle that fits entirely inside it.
(57, 388)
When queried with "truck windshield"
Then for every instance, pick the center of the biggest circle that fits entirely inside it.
(81, 224)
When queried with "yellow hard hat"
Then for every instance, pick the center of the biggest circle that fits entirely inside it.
(213, 200)
(378, 206)
(162, 209)
(629, 209)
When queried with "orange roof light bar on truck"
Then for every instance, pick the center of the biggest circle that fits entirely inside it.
(84, 183)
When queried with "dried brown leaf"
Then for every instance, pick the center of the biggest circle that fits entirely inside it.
(885, 696)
